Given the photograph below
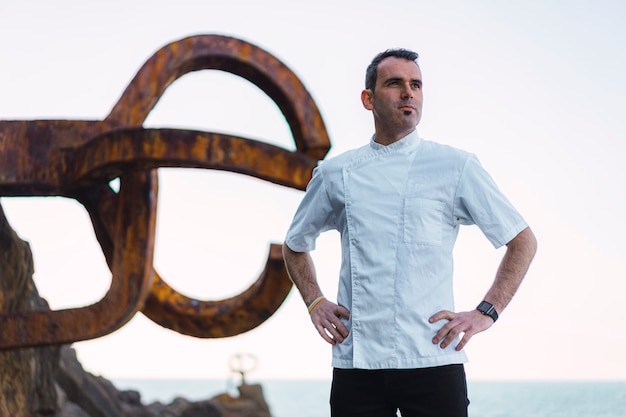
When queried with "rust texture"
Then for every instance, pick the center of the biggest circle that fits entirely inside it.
(78, 159)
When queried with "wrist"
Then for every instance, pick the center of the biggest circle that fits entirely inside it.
(313, 303)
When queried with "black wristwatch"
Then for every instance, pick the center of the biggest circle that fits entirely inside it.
(488, 309)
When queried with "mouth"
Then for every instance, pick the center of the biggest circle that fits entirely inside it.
(407, 110)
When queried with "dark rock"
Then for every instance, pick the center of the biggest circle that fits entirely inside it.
(96, 395)
(201, 409)
(132, 398)
(26, 381)
(250, 403)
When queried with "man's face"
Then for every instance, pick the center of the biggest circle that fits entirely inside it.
(397, 98)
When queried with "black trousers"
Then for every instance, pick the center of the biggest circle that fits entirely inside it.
(425, 392)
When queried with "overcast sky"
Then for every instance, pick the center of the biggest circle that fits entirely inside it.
(536, 89)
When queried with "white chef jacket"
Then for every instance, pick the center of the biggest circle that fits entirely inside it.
(398, 209)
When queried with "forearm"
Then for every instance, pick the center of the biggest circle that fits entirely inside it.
(301, 271)
(325, 315)
(515, 263)
(519, 253)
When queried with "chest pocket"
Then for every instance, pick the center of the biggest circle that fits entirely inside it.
(423, 221)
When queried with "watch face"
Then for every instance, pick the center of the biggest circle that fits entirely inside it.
(484, 307)
(488, 309)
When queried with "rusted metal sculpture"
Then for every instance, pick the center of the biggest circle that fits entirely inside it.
(78, 159)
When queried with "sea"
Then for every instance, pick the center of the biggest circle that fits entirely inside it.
(309, 398)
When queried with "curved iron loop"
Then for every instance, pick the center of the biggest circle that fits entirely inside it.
(229, 317)
(236, 57)
(133, 233)
(274, 78)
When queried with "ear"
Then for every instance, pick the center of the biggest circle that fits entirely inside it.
(367, 98)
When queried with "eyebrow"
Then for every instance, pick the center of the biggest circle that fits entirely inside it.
(414, 80)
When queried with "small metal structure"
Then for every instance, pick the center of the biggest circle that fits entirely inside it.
(79, 158)
(242, 364)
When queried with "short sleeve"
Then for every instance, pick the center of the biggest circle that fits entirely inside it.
(313, 216)
(479, 201)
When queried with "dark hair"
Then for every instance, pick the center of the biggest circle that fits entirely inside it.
(372, 69)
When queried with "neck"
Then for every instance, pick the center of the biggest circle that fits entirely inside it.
(387, 138)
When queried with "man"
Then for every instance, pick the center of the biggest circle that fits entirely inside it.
(398, 203)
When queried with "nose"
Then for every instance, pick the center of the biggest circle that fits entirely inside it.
(407, 92)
